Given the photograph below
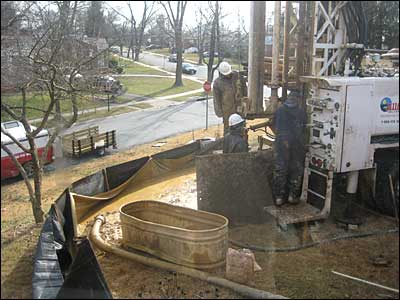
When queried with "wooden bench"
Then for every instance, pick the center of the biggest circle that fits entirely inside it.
(88, 140)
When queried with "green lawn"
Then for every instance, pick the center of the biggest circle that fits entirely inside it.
(185, 98)
(157, 87)
(142, 105)
(164, 51)
(133, 68)
(94, 115)
(41, 101)
(191, 56)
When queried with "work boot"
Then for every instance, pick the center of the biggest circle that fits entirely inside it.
(293, 199)
(279, 201)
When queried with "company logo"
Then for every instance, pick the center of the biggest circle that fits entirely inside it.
(388, 106)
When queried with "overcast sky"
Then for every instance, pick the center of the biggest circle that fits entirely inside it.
(232, 8)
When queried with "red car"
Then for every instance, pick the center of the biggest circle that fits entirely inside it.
(17, 130)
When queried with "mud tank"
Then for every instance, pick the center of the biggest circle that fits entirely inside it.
(185, 236)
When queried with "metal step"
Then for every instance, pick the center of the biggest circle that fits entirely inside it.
(291, 214)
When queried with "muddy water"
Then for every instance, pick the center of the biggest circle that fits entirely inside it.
(178, 188)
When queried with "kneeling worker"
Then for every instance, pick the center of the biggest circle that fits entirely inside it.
(235, 140)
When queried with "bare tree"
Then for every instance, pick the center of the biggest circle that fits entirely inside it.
(203, 21)
(10, 17)
(47, 63)
(176, 21)
(137, 29)
(214, 44)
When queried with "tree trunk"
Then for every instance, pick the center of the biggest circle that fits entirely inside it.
(139, 44)
(199, 47)
(178, 75)
(37, 181)
(57, 116)
(200, 62)
(137, 52)
(210, 72)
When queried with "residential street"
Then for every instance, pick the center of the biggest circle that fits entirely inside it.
(163, 63)
(144, 126)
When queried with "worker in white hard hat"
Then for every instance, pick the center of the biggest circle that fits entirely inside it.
(236, 139)
(228, 89)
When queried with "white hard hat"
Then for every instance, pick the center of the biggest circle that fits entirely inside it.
(235, 119)
(225, 68)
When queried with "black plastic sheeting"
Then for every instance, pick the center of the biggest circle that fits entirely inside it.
(178, 152)
(90, 185)
(61, 264)
(120, 173)
(84, 272)
(65, 266)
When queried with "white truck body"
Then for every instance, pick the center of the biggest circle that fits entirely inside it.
(351, 117)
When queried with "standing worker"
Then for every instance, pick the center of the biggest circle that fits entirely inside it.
(235, 140)
(228, 88)
(289, 149)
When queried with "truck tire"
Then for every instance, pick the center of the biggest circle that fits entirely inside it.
(383, 198)
(28, 167)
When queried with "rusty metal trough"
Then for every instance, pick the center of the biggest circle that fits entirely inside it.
(184, 236)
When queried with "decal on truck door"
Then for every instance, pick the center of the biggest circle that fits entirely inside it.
(390, 110)
(387, 105)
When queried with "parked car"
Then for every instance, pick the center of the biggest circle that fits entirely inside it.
(152, 46)
(192, 50)
(108, 84)
(173, 58)
(205, 54)
(17, 130)
(188, 69)
(115, 49)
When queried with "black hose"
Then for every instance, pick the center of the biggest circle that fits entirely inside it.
(309, 245)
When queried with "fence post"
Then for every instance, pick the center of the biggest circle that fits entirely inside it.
(79, 148)
(114, 140)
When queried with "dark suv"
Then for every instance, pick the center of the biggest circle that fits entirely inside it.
(188, 69)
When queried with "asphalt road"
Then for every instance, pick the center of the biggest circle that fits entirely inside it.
(163, 63)
(151, 125)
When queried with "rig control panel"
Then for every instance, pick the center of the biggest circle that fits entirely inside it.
(350, 118)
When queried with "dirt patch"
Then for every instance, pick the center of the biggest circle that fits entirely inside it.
(304, 273)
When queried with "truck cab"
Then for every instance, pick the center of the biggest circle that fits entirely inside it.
(17, 130)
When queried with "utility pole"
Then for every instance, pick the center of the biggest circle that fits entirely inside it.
(239, 39)
(256, 56)
(275, 53)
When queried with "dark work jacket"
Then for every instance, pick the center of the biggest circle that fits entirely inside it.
(290, 121)
(234, 142)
